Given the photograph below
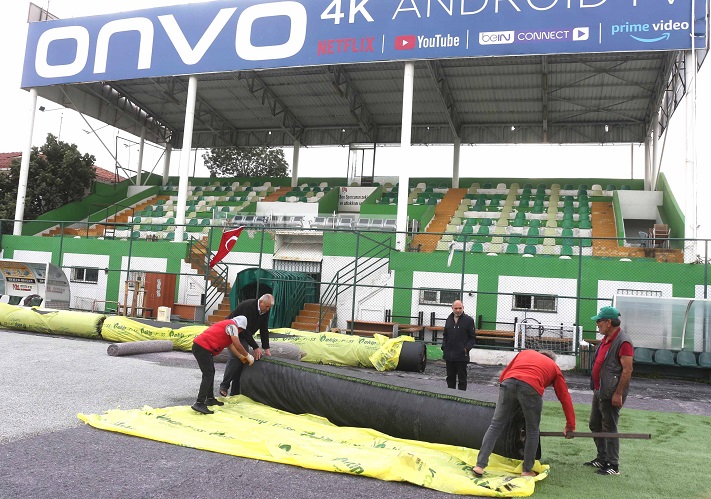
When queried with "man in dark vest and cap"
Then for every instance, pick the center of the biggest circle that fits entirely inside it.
(611, 373)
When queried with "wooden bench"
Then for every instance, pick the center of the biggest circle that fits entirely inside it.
(369, 328)
(495, 338)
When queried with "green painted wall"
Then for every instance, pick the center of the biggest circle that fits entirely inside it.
(670, 212)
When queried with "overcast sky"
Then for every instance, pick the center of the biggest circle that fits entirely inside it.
(613, 161)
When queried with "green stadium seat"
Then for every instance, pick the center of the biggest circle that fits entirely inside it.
(512, 249)
(585, 224)
(566, 251)
(533, 232)
(642, 355)
(705, 359)
(568, 187)
(686, 358)
(477, 248)
(534, 223)
(529, 250)
(625, 187)
(486, 222)
(610, 187)
(665, 357)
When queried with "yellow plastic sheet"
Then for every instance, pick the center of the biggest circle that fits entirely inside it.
(122, 329)
(338, 349)
(248, 429)
(44, 320)
(387, 356)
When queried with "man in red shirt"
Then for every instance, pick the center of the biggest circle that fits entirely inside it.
(224, 334)
(611, 373)
(522, 385)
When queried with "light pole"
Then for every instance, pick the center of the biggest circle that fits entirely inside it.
(61, 117)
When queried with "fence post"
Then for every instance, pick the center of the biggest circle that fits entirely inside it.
(61, 244)
(355, 280)
(259, 272)
(579, 283)
(706, 268)
(464, 258)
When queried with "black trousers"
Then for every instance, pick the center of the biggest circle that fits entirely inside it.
(207, 365)
(233, 371)
(457, 371)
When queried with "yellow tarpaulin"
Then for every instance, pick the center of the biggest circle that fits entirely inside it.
(248, 429)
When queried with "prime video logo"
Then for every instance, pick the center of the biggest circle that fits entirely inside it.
(650, 33)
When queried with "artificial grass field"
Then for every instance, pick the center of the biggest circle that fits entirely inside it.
(673, 464)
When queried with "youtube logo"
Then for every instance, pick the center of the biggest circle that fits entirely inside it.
(405, 42)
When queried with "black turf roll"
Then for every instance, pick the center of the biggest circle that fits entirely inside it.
(136, 347)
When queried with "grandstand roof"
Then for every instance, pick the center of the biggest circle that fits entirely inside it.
(555, 99)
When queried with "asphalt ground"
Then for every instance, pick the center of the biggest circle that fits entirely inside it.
(46, 451)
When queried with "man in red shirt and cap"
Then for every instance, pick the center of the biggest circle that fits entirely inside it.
(611, 373)
(224, 334)
(522, 385)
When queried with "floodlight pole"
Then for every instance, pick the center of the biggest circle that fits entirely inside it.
(405, 148)
(25, 168)
(455, 163)
(185, 158)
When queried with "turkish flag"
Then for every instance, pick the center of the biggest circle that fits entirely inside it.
(229, 238)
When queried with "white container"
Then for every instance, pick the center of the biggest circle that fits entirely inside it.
(163, 314)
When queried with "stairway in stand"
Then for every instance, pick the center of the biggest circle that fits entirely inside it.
(98, 229)
(307, 320)
(197, 259)
(443, 214)
(603, 223)
(274, 196)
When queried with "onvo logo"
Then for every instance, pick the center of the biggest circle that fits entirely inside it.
(188, 53)
(496, 37)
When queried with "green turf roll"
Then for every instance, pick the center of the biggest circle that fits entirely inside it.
(123, 329)
(61, 322)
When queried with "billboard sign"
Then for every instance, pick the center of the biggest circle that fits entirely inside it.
(238, 35)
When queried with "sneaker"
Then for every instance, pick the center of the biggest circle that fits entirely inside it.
(596, 463)
(213, 401)
(201, 408)
(610, 469)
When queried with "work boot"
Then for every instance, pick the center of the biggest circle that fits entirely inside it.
(201, 408)
(213, 401)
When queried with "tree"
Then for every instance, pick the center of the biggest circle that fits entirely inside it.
(58, 174)
(246, 162)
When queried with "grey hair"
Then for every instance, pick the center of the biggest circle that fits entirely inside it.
(548, 354)
(265, 298)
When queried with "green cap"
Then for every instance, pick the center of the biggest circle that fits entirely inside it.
(607, 313)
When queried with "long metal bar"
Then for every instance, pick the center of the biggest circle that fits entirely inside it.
(598, 434)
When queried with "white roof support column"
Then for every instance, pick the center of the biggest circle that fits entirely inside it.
(406, 151)
(691, 170)
(141, 144)
(185, 158)
(648, 162)
(295, 164)
(25, 168)
(455, 163)
(656, 156)
(166, 163)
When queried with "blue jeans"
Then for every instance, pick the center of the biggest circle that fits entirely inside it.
(604, 417)
(512, 394)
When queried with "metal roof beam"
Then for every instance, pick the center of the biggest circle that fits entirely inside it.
(346, 90)
(288, 121)
(445, 96)
(208, 116)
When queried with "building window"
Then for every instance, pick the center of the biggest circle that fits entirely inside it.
(439, 296)
(535, 303)
(84, 274)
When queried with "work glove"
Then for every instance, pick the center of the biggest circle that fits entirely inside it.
(247, 359)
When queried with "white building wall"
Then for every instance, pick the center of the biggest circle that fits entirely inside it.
(87, 296)
(448, 281)
(540, 286)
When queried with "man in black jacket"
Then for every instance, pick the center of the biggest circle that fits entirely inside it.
(458, 338)
(257, 314)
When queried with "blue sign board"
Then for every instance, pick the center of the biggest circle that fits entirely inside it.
(254, 34)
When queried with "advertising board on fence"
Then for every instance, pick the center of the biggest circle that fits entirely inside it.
(350, 198)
